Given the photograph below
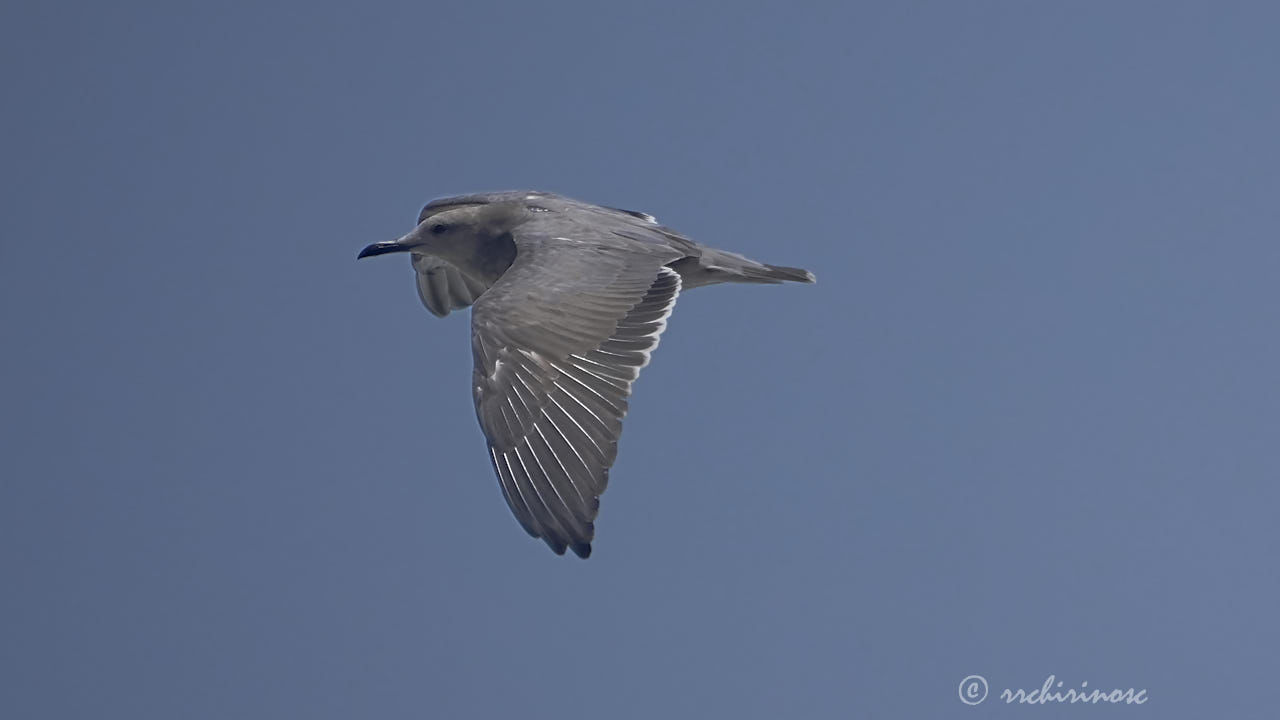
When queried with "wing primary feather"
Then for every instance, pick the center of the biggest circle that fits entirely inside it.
(582, 469)
(588, 502)
(553, 535)
(599, 452)
(578, 529)
(617, 407)
(514, 500)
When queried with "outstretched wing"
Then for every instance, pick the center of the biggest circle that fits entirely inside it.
(557, 341)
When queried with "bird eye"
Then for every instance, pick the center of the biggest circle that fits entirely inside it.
(438, 228)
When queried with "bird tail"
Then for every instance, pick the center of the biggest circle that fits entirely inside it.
(779, 273)
(711, 267)
(744, 269)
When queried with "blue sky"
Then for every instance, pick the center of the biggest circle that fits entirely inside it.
(1025, 424)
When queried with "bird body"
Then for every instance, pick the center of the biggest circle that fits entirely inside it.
(568, 302)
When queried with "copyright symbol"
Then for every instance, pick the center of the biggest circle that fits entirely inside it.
(973, 690)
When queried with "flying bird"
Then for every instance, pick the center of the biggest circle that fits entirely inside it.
(568, 301)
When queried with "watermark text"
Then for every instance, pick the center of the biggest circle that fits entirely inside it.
(974, 690)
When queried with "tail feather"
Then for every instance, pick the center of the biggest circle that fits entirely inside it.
(770, 274)
(712, 266)
(782, 272)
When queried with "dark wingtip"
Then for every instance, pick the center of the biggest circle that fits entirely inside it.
(581, 549)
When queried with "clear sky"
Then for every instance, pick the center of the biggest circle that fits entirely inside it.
(1026, 423)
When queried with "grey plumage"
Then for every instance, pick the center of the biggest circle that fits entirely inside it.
(568, 302)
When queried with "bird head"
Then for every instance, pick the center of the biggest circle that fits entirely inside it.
(445, 226)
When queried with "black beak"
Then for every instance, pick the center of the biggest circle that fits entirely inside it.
(382, 248)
